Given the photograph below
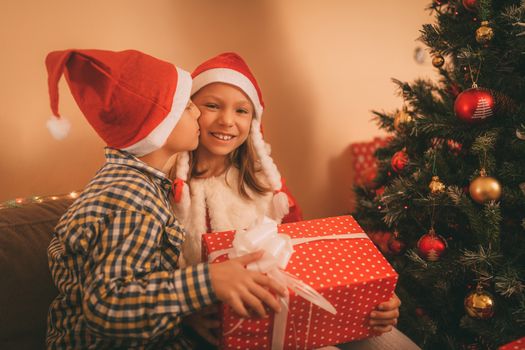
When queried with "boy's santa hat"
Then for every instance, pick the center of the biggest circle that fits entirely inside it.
(230, 68)
(132, 100)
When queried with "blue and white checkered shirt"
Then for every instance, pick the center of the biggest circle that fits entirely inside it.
(114, 259)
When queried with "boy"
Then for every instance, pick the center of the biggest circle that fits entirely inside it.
(114, 255)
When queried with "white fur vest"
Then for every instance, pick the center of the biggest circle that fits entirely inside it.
(227, 210)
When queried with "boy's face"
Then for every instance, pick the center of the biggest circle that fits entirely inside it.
(226, 117)
(185, 135)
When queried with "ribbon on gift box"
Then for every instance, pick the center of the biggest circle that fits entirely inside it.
(278, 249)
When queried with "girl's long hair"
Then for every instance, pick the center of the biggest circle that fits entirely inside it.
(245, 160)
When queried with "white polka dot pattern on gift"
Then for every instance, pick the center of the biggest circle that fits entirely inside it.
(515, 345)
(351, 273)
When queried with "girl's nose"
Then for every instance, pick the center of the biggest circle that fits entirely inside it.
(226, 118)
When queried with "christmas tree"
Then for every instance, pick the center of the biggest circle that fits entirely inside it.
(450, 184)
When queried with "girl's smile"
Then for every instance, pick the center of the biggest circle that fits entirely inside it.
(222, 136)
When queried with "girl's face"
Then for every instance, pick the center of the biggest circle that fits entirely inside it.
(226, 117)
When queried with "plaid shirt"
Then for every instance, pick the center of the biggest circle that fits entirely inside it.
(114, 259)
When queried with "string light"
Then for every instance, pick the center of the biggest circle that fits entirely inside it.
(18, 202)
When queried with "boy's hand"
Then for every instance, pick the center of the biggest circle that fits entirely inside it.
(204, 322)
(384, 317)
(243, 289)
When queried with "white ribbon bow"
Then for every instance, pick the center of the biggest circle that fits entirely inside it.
(278, 250)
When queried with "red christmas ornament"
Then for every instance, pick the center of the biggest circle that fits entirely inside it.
(470, 5)
(431, 246)
(399, 161)
(395, 245)
(474, 105)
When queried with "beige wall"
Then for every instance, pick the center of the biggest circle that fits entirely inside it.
(322, 65)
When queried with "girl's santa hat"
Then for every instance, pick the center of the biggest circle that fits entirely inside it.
(132, 100)
(231, 69)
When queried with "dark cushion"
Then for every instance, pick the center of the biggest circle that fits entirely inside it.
(26, 287)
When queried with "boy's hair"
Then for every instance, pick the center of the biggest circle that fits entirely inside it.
(245, 160)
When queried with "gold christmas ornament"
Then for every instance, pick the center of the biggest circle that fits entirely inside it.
(436, 186)
(479, 304)
(484, 34)
(484, 188)
(438, 61)
(400, 118)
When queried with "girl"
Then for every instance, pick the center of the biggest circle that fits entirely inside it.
(230, 181)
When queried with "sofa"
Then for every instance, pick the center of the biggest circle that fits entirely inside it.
(26, 287)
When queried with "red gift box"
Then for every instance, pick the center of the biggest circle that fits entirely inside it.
(515, 345)
(350, 273)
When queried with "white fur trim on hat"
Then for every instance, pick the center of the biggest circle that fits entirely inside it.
(158, 136)
(281, 206)
(182, 166)
(232, 77)
(268, 166)
(280, 199)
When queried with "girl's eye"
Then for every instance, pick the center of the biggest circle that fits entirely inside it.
(211, 105)
(242, 111)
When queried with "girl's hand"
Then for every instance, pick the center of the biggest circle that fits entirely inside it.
(384, 317)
